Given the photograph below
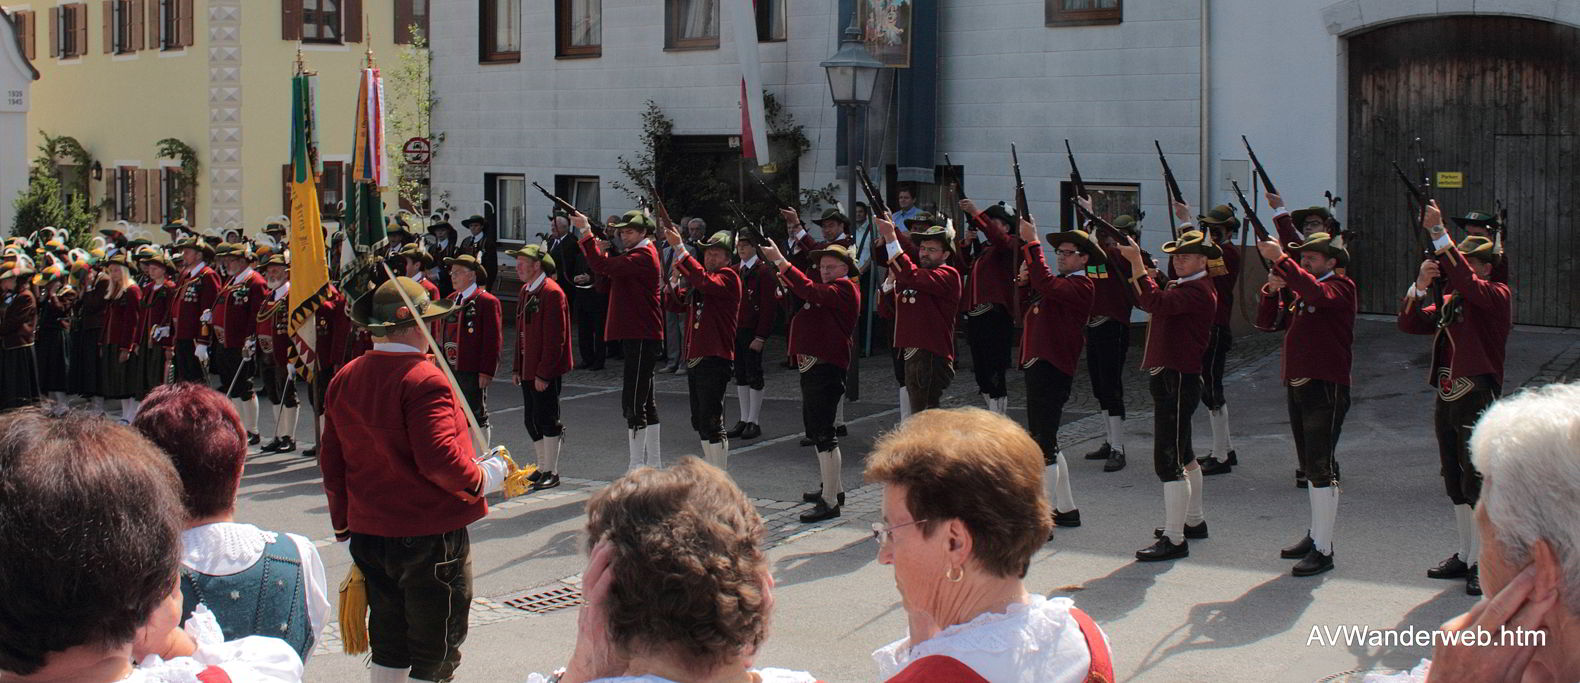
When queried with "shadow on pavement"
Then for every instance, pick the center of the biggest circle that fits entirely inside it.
(1111, 597)
(793, 569)
(1268, 609)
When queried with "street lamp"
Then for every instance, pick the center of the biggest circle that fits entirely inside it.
(852, 73)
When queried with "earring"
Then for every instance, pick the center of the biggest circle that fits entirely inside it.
(955, 574)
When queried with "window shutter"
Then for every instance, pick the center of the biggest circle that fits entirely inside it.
(130, 192)
(155, 190)
(109, 26)
(291, 19)
(80, 24)
(155, 24)
(54, 31)
(285, 189)
(186, 21)
(134, 31)
(351, 20)
(110, 177)
(403, 21)
(29, 35)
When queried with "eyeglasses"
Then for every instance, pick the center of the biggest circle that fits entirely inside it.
(1067, 252)
(883, 534)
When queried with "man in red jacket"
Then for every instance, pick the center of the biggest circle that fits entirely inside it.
(820, 337)
(471, 336)
(759, 302)
(990, 330)
(275, 368)
(543, 356)
(1470, 329)
(711, 300)
(635, 320)
(235, 322)
(1108, 339)
(1317, 351)
(1050, 346)
(1177, 336)
(197, 285)
(925, 311)
(399, 473)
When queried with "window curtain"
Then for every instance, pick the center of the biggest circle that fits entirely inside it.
(699, 19)
(586, 23)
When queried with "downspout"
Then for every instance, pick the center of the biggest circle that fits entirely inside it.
(1205, 114)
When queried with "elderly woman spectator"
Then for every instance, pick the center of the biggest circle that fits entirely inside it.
(1527, 448)
(963, 512)
(677, 587)
(90, 523)
(255, 582)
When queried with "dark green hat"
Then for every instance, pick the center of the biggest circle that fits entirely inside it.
(922, 220)
(537, 253)
(119, 258)
(277, 259)
(1128, 224)
(720, 240)
(1479, 248)
(469, 261)
(1193, 242)
(178, 226)
(1480, 218)
(1300, 215)
(1083, 241)
(836, 250)
(274, 227)
(474, 218)
(382, 310)
(198, 243)
(634, 220)
(833, 214)
(1003, 213)
(397, 224)
(1220, 215)
(1323, 243)
(415, 251)
(940, 233)
(235, 250)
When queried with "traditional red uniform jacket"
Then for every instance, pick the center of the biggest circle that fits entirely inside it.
(990, 277)
(1112, 296)
(1055, 329)
(194, 295)
(330, 323)
(395, 454)
(827, 319)
(928, 303)
(759, 299)
(19, 321)
(1224, 284)
(433, 289)
(634, 308)
(1181, 323)
(1476, 314)
(155, 313)
(122, 318)
(273, 319)
(472, 332)
(236, 310)
(712, 304)
(1321, 337)
(543, 332)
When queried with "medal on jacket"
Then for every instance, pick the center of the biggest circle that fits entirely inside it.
(908, 296)
(452, 352)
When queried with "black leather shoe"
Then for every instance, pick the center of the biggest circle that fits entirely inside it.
(841, 431)
(286, 445)
(736, 431)
(272, 447)
(1451, 568)
(815, 496)
(1116, 460)
(1473, 580)
(253, 439)
(1315, 562)
(1197, 531)
(311, 452)
(1071, 518)
(806, 441)
(1101, 453)
(1232, 459)
(1300, 549)
(819, 512)
(752, 431)
(1212, 465)
(1163, 549)
(1300, 480)
(548, 480)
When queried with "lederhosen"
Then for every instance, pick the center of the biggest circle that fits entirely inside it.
(707, 377)
(1212, 366)
(822, 389)
(465, 315)
(1460, 402)
(277, 383)
(1174, 396)
(540, 409)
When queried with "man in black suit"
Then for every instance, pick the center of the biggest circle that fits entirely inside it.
(588, 305)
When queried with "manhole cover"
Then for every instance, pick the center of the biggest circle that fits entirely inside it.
(547, 601)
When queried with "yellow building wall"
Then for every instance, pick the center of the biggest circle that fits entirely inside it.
(119, 106)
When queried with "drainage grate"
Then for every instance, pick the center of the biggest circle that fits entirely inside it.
(547, 601)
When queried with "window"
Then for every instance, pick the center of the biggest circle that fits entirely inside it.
(581, 191)
(126, 193)
(170, 185)
(331, 189)
(506, 199)
(410, 16)
(1084, 12)
(691, 24)
(170, 24)
(68, 30)
(771, 21)
(123, 26)
(1109, 200)
(500, 41)
(578, 28)
(24, 20)
(321, 21)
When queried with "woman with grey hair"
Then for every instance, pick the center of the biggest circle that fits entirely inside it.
(1527, 448)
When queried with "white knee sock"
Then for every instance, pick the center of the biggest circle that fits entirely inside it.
(992, 403)
(249, 415)
(1193, 513)
(839, 414)
(1116, 426)
(551, 453)
(538, 457)
(829, 464)
(1324, 513)
(286, 426)
(1465, 520)
(717, 454)
(1063, 500)
(1175, 495)
(636, 441)
(905, 404)
(1050, 483)
(743, 399)
(651, 448)
(757, 407)
(1220, 432)
(128, 409)
(384, 674)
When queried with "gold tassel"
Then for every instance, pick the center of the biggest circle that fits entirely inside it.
(516, 478)
(1216, 267)
(354, 612)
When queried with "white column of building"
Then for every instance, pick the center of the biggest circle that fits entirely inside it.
(224, 102)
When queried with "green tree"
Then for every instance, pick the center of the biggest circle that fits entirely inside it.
(410, 100)
(42, 204)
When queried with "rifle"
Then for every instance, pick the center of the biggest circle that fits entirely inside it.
(879, 207)
(597, 227)
(749, 229)
(1075, 172)
(1250, 214)
(1267, 183)
(1175, 195)
(1022, 213)
(770, 192)
(1080, 193)
(1420, 197)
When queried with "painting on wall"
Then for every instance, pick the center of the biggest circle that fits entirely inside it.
(886, 29)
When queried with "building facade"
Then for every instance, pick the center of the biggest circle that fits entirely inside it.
(1329, 93)
(16, 85)
(119, 76)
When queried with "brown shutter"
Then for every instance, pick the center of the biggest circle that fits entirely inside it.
(54, 31)
(109, 26)
(132, 193)
(155, 25)
(351, 21)
(403, 21)
(285, 189)
(134, 31)
(30, 35)
(291, 19)
(110, 174)
(187, 34)
(80, 23)
(156, 191)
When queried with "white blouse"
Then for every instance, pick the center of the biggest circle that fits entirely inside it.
(226, 548)
(763, 675)
(254, 659)
(1036, 641)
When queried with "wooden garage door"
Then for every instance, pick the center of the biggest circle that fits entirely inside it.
(1495, 99)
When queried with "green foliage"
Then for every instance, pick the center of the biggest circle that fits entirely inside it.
(186, 188)
(50, 153)
(43, 204)
(410, 101)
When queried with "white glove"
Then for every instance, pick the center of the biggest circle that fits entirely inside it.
(494, 471)
(161, 332)
(290, 372)
(208, 316)
(201, 352)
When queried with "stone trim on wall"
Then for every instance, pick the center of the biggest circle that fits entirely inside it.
(224, 105)
(1352, 16)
